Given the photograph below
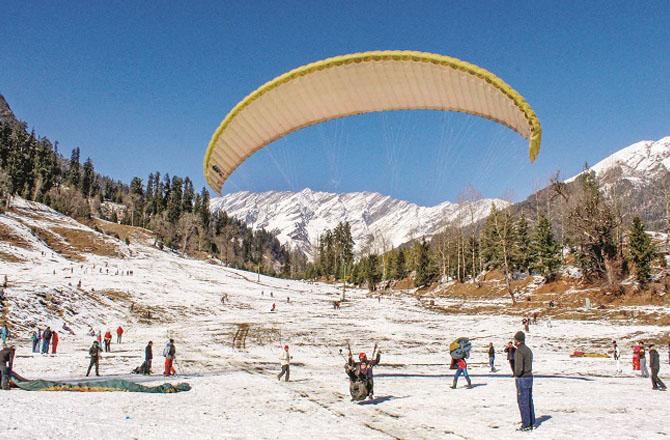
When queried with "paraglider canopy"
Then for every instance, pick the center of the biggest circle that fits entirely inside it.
(362, 83)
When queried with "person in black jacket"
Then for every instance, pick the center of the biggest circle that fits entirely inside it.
(94, 353)
(655, 364)
(6, 361)
(148, 357)
(492, 358)
(362, 370)
(523, 374)
(509, 350)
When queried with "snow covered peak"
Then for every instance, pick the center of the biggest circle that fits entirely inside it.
(300, 217)
(641, 160)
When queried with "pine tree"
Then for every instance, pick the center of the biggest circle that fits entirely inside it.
(425, 273)
(641, 251)
(400, 269)
(522, 245)
(87, 178)
(188, 195)
(136, 198)
(174, 203)
(204, 213)
(74, 171)
(545, 250)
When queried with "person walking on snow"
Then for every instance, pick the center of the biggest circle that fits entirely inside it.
(643, 361)
(285, 364)
(523, 374)
(169, 352)
(119, 334)
(461, 370)
(94, 353)
(54, 341)
(108, 341)
(655, 365)
(509, 350)
(492, 358)
(617, 357)
(46, 338)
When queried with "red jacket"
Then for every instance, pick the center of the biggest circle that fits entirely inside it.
(462, 364)
(54, 338)
(108, 335)
(119, 331)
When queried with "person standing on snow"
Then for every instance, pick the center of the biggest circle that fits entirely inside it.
(6, 358)
(509, 350)
(617, 357)
(46, 338)
(36, 342)
(119, 334)
(94, 353)
(169, 352)
(54, 341)
(98, 336)
(108, 341)
(655, 364)
(148, 357)
(492, 358)
(643, 361)
(462, 369)
(285, 364)
(523, 374)
(363, 369)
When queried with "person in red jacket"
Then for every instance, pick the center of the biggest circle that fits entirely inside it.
(54, 341)
(119, 333)
(108, 341)
(462, 369)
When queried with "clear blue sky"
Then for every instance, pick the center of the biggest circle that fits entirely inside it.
(141, 86)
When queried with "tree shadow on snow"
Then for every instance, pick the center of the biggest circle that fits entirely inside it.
(380, 399)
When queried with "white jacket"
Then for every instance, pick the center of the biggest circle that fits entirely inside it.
(285, 358)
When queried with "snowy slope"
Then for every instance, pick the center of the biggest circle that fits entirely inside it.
(300, 217)
(640, 161)
(235, 392)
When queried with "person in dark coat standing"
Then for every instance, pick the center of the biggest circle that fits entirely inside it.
(6, 361)
(148, 357)
(492, 358)
(46, 339)
(655, 365)
(509, 350)
(94, 353)
(523, 374)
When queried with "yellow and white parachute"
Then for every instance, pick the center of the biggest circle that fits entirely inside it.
(361, 83)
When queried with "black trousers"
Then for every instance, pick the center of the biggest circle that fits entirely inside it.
(655, 381)
(94, 361)
(511, 365)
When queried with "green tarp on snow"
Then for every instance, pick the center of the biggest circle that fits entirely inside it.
(98, 386)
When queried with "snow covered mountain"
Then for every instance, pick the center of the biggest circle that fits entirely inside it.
(300, 217)
(640, 162)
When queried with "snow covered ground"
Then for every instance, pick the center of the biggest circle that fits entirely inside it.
(235, 392)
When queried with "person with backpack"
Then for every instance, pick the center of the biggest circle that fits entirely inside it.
(461, 369)
(492, 358)
(94, 353)
(655, 365)
(169, 352)
(46, 338)
(54, 341)
(361, 371)
(523, 374)
(119, 334)
(108, 341)
(285, 364)
(509, 350)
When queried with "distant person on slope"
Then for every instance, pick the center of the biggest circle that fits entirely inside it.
(148, 357)
(98, 336)
(4, 333)
(108, 341)
(119, 334)
(285, 364)
(492, 358)
(643, 361)
(54, 341)
(655, 364)
(462, 369)
(36, 342)
(170, 351)
(509, 350)
(616, 355)
(94, 353)
(523, 373)
(46, 338)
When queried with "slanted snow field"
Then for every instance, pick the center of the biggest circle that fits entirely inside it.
(235, 392)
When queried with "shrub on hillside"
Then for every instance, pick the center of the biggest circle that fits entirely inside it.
(69, 202)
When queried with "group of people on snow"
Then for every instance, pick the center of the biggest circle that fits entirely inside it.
(41, 339)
